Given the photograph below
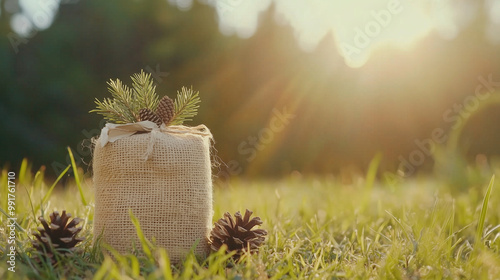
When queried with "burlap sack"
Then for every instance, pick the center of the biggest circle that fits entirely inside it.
(164, 177)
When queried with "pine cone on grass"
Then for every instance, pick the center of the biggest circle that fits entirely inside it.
(146, 114)
(59, 234)
(237, 234)
(166, 110)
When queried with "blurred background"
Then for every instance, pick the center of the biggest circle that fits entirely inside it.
(287, 86)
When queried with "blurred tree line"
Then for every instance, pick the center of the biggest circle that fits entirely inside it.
(338, 116)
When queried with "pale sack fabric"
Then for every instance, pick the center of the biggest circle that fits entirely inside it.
(164, 177)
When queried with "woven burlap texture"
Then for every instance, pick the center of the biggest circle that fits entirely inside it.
(170, 192)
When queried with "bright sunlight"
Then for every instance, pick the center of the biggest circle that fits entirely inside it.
(359, 26)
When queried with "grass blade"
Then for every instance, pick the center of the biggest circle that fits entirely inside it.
(400, 223)
(39, 177)
(144, 242)
(164, 262)
(371, 175)
(484, 209)
(18, 226)
(30, 201)
(49, 192)
(77, 177)
(23, 170)
(451, 225)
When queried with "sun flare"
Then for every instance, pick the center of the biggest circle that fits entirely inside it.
(359, 26)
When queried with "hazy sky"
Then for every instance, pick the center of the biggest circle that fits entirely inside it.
(358, 26)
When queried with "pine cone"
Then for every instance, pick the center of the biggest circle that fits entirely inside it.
(60, 234)
(237, 235)
(146, 114)
(166, 110)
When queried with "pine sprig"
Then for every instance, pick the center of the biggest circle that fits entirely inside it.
(123, 101)
(110, 112)
(144, 90)
(186, 106)
(126, 103)
(120, 109)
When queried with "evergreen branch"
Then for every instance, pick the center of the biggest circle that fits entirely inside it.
(185, 105)
(144, 91)
(110, 112)
(126, 102)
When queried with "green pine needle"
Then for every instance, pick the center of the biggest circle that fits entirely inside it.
(185, 105)
(144, 91)
(126, 102)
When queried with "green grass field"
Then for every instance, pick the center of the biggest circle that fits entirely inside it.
(318, 229)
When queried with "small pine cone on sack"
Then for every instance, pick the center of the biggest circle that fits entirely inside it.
(237, 234)
(59, 234)
(166, 110)
(146, 114)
